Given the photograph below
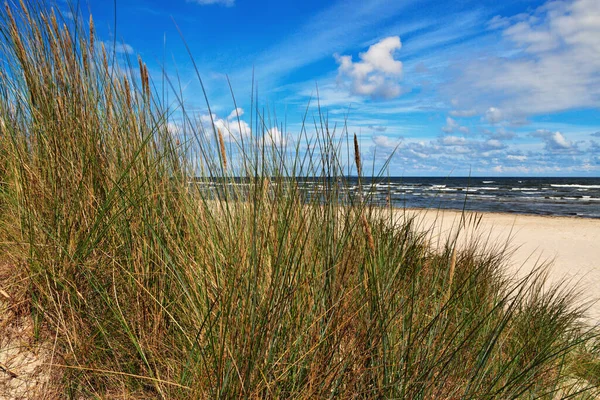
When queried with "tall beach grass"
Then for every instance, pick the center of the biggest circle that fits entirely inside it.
(175, 265)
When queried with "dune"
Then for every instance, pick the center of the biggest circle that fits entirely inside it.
(572, 245)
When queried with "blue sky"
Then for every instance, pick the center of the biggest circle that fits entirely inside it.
(498, 88)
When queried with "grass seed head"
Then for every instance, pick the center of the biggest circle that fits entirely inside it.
(92, 33)
(222, 148)
(368, 234)
(357, 156)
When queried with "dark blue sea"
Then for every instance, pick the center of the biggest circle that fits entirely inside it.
(573, 197)
(576, 197)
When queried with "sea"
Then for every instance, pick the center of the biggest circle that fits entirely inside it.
(573, 197)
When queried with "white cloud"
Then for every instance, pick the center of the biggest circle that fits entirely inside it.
(452, 126)
(494, 115)
(494, 144)
(274, 137)
(386, 141)
(227, 3)
(235, 114)
(174, 128)
(230, 127)
(553, 64)
(453, 141)
(554, 141)
(516, 158)
(118, 47)
(500, 134)
(377, 74)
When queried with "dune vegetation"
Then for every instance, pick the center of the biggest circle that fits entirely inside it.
(162, 261)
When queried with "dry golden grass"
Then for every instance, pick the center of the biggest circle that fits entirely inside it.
(163, 267)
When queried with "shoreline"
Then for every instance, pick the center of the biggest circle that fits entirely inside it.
(500, 213)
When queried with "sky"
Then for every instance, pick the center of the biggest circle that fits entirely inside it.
(481, 88)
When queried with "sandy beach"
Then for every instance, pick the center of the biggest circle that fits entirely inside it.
(573, 244)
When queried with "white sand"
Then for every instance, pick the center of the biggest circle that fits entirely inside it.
(572, 243)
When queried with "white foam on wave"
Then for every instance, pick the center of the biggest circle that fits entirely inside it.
(487, 188)
(575, 186)
(486, 182)
(528, 189)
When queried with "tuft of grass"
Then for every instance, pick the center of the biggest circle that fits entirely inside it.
(164, 268)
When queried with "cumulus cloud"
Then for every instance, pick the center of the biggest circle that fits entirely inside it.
(376, 74)
(500, 134)
(553, 65)
(554, 141)
(453, 141)
(462, 145)
(226, 3)
(274, 137)
(453, 126)
(596, 134)
(449, 152)
(237, 113)
(520, 158)
(493, 115)
(174, 128)
(230, 127)
(386, 141)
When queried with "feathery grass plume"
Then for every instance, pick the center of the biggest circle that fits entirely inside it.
(357, 156)
(222, 148)
(368, 234)
(363, 219)
(92, 35)
(144, 78)
(14, 32)
(146, 82)
(127, 91)
(26, 13)
(104, 58)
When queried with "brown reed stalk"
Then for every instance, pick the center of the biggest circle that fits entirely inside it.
(127, 92)
(363, 218)
(84, 56)
(144, 77)
(451, 272)
(222, 148)
(53, 21)
(26, 12)
(104, 59)
(368, 234)
(146, 82)
(357, 156)
(92, 36)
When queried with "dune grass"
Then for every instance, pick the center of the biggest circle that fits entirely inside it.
(175, 265)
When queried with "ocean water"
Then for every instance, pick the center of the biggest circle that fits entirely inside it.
(576, 197)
